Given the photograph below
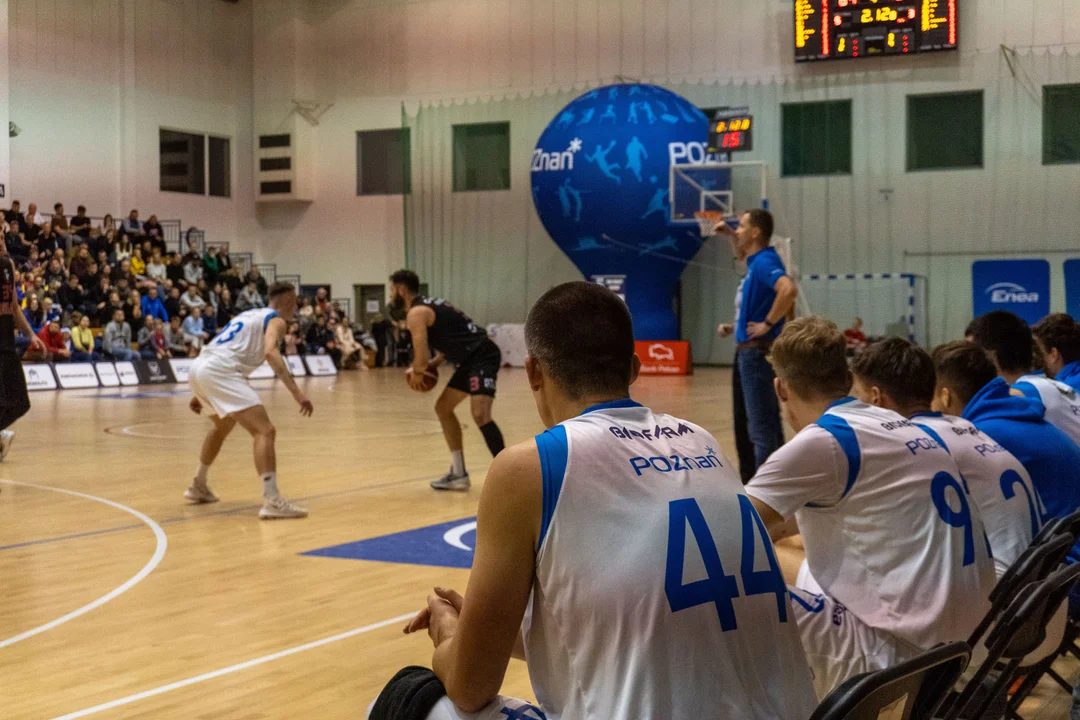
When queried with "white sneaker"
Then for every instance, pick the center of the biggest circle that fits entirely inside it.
(200, 495)
(450, 481)
(6, 438)
(279, 508)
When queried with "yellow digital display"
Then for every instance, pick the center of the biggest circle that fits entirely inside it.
(732, 125)
(826, 29)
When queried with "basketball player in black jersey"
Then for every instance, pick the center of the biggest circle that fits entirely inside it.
(14, 400)
(440, 329)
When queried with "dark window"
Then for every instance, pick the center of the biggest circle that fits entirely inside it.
(816, 138)
(266, 164)
(945, 131)
(482, 157)
(182, 162)
(273, 141)
(220, 177)
(1061, 124)
(382, 162)
(281, 187)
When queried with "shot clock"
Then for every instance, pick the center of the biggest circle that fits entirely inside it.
(732, 130)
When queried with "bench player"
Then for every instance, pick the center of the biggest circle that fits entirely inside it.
(219, 380)
(442, 333)
(583, 534)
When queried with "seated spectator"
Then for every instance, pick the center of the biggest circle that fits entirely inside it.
(172, 303)
(122, 250)
(249, 298)
(191, 299)
(293, 344)
(97, 298)
(155, 233)
(260, 282)
(55, 275)
(228, 274)
(225, 308)
(56, 350)
(1057, 344)
(106, 312)
(193, 271)
(71, 296)
(33, 262)
(158, 343)
(194, 332)
(49, 311)
(82, 339)
(322, 300)
(843, 476)
(210, 326)
(14, 216)
(33, 217)
(48, 240)
(175, 271)
(131, 225)
(138, 264)
(34, 313)
(122, 271)
(80, 224)
(155, 269)
(133, 311)
(80, 264)
(117, 340)
(174, 337)
(152, 306)
(15, 241)
(346, 344)
(211, 264)
(60, 223)
(107, 242)
(107, 224)
(146, 333)
(319, 337)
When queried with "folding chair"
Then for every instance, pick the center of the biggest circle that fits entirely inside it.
(910, 690)
(1019, 632)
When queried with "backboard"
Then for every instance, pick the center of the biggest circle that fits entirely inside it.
(727, 187)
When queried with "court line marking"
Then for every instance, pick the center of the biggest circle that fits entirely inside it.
(153, 562)
(232, 669)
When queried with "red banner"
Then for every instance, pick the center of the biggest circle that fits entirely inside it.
(664, 357)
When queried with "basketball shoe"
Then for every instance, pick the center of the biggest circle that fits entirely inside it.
(450, 481)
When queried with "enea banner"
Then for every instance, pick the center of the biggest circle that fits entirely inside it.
(667, 357)
(1021, 287)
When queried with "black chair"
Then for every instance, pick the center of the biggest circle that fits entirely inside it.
(911, 690)
(1019, 632)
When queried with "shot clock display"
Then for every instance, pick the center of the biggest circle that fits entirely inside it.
(732, 130)
(831, 29)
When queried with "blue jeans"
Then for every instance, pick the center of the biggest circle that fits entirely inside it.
(81, 356)
(124, 354)
(762, 408)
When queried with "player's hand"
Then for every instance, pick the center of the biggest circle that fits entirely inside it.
(443, 619)
(195, 405)
(724, 229)
(415, 379)
(422, 620)
(306, 408)
(37, 343)
(725, 330)
(757, 329)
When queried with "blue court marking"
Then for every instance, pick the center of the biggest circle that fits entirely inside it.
(448, 544)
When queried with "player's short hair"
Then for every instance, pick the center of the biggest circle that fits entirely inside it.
(900, 368)
(810, 356)
(763, 221)
(1006, 337)
(963, 367)
(408, 278)
(279, 288)
(582, 335)
(1059, 331)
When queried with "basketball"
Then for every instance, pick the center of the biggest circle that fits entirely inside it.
(431, 378)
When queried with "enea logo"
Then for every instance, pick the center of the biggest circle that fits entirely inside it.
(551, 161)
(1007, 292)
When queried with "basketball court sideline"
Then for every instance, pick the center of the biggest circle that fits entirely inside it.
(206, 612)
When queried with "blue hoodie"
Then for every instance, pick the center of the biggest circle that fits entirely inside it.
(1070, 375)
(1050, 457)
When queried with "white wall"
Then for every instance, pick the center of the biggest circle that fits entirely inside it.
(5, 156)
(92, 81)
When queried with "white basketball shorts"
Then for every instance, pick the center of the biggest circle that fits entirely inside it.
(222, 392)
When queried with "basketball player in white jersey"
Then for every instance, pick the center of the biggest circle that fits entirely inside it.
(616, 553)
(897, 375)
(892, 535)
(219, 380)
(1008, 341)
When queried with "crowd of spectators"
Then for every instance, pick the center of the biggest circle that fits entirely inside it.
(116, 291)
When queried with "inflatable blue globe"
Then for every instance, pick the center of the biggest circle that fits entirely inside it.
(600, 185)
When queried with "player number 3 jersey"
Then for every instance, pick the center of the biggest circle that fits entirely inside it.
(657, 592)
(241, 345)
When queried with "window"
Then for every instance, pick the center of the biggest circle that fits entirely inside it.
(273, 141)
(382, 162)
(816, 138)
(1061, 124)
(187, 160)
(482, 157)
(945, 131)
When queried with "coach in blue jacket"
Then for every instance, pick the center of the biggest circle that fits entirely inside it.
(765, 297)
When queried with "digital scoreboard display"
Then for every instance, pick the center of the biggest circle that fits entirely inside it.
(832, 29)
(732, 130)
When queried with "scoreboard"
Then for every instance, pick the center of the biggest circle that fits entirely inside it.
(830, 29)
(732, 130)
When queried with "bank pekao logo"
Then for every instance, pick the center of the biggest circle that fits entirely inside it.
(550, 161)
(1007, 292)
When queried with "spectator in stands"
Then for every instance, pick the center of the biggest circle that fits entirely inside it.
(107, 242)
(133, 311)
(48, 240)
(193, 271)
(82, 339)
(114, 305)
(33, 217)
(158, 343)
(80, 224)
(250, 297)
(305, 315)
(294, 344)
(56, 349)
(319, 337)
(60, 223)
(17, 245)
(211, 264)
(80, 264)
(146, 334)
(260, 282)
(194, 332)
(345, 341)
(107, 224)
(225, 308)
(322, 300)
(118, 337)
(14, 216)
(191, 299)
(54, 274)
(122, 250)
(175, 271)
(132, 225)
(228, 274)
(172, 302)
(155, 269)
(152, 306)
(122, 271)
(174, 337)
(71, 296)
(33, 262)
(34, 313)
(97, 298)
(49, 311)
(138, 264)
(210, 326)
(155, 233)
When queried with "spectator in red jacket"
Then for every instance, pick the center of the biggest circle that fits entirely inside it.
(56, 349)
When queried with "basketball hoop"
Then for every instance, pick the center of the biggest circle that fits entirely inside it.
(709, 222)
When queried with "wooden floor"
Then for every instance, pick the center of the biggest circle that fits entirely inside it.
(118, 600)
